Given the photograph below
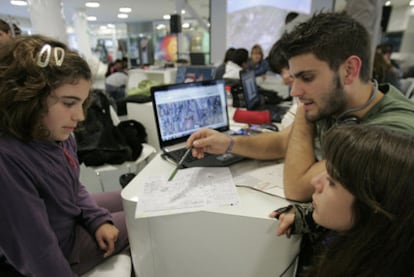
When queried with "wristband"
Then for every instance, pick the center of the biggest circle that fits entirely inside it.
(228, 150)
(282, 211)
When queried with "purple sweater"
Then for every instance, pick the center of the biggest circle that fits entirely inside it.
(42, 200)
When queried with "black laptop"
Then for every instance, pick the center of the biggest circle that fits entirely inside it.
(182, 109)
(261, 100)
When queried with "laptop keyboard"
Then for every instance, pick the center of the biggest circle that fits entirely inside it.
(208, 160)
(179, 153)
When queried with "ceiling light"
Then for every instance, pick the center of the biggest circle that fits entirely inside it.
(122, 15)
(91, 18)
(92, 4)
(166, 16)
(411, 3)
(160, 26)
(185, 25)
(18, 2)
(387, 3)
(125, 10)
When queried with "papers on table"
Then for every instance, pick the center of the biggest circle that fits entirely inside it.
(266, 176)
(191, 189)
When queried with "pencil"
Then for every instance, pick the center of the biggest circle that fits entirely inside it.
(180, 163)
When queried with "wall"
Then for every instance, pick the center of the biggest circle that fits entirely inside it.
(218, 32)
(246, 30)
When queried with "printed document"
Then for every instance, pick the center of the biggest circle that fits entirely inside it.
(266, 176)
(192, 189)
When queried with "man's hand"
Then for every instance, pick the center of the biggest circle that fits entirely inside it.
(106, 235)
(208, 140)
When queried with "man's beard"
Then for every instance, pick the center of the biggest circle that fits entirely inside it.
(332, 104)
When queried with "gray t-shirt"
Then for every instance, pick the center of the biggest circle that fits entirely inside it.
(394, 110)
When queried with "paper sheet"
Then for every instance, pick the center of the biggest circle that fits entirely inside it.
(191, 189)
(266, 176)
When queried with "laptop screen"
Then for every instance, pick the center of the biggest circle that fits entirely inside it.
(181, 109)
(197, 58)
(193, 73)
(251, 94)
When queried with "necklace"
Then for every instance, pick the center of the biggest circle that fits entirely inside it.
(374, 92)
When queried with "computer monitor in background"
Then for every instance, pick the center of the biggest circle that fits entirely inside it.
(197, 58)
(193, 73)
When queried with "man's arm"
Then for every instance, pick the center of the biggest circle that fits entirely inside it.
(300, 163)
(266, 146)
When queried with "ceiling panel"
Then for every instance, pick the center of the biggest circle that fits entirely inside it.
(142, 10)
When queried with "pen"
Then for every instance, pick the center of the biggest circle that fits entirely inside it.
(180, 163)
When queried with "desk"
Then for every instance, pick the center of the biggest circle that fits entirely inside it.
(165, 76)
(229, 241)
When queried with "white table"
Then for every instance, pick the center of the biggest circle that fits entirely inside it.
(165, 76)
(228, 241)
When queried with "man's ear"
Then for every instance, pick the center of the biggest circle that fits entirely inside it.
(352, 67)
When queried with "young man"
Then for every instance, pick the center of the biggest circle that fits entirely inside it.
(329, 61)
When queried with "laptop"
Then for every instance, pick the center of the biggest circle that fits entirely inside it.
(182, 109)
(263, 99)
(194, 73)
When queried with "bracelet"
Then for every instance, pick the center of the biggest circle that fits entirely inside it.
(282, 210)
(228, 150)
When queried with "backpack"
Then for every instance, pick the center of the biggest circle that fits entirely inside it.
(134, 134)
(100, 142)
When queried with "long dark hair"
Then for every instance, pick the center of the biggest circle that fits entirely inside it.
(24, 85)
(376, 165)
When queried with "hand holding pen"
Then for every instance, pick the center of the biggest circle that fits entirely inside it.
(180, 164)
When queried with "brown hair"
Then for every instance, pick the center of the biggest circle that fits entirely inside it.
(25, 83)
(259, 48)
(375, 164)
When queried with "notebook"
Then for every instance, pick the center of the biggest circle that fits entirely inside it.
(182, 109)
(263, 100)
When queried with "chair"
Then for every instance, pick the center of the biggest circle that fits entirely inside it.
(106, 177)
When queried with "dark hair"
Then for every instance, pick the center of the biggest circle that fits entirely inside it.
(331, 37)
(4, 26)
(276, 59)
(229, 52)
(382, 71)
(290, 17)
(25, 85)
(376, 165)
(385, 48)
(240, 56)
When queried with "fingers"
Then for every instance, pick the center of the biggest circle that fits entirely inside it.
(202, 133)
(107, 244)
(106, 236)
(273, 214)
(283, 225)
(207, 141)
(110, 248)
(198, 153)
(102, 244)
